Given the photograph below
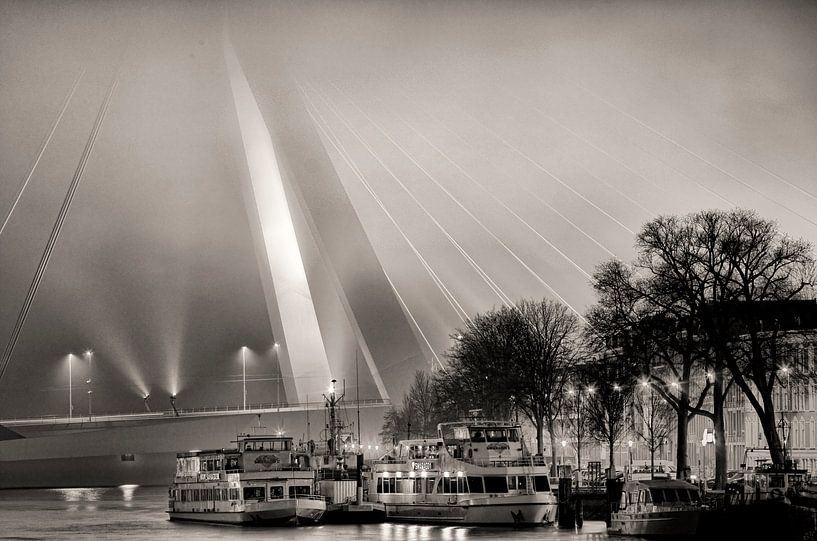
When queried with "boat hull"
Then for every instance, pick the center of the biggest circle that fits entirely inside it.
(281, 513)
(351, 513)
(507, 511)
(666, 523)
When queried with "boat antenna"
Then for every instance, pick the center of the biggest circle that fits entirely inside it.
(308, 435)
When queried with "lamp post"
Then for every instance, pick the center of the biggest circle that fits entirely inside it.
(630, 448)
(70, 388)
(564, 444)
(90, 354)
(244, 373)
(147, 406)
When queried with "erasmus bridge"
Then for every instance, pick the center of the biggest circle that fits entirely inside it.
(386, 202)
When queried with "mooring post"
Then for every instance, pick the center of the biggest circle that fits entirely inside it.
(567, 518)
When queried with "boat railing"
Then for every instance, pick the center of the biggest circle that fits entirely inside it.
(394, 461)
(527, 461)
(309, 497)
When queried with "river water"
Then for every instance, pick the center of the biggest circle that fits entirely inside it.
(133, 512)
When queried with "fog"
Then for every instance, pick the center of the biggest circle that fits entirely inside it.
(493, 151)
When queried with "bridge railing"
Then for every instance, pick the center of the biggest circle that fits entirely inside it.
(190, 412)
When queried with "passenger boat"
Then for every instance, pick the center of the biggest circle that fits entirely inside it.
(474, 472)
(659, 507)
(264, 480)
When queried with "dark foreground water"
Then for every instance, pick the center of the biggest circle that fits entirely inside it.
(133, 512)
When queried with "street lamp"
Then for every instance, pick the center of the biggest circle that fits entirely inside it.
(70, 388)
(630, 447)
(564, 444)
(173, 404)
(147, 406)
(244, 372)
(90, 354)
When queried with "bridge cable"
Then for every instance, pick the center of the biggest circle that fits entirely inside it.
(46, 141)
(55, 231)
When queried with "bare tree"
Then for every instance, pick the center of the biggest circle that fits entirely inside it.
(653, 420)
(546, 355)
(418, 414)
(609, 398)
(638, 312)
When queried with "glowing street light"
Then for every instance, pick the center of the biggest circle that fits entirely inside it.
(147, 406)
(617, 387)
(90, 355)
(173, 404)
(244, 372)
(70, 388)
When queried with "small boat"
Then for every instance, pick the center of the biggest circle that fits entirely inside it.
(264, 480)
(341, 471)
(658, 507)
(475, 472)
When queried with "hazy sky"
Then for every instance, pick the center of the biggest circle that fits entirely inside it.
(514, 144)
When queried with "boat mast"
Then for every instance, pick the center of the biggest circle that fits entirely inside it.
(334, 426)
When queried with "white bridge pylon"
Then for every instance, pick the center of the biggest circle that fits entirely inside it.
(327, 297)
(301, 353)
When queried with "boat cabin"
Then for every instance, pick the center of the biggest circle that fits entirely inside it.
(656, 495)
(482, 442)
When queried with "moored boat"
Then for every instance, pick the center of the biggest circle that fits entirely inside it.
(475, 472)
(262, 481)
(659, 507)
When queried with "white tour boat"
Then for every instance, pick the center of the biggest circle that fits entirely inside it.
(262, 481)
(475, 472)
(658, 507)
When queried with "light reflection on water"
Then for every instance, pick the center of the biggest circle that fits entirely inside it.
(136, 513)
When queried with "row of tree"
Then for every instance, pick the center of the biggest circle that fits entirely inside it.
(714, 302)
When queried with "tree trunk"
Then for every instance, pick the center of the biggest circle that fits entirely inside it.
(612, 459)
(681, 438)
(720, 432)
(552, 433)
(652, 460)
(540, 436)
(767, 420)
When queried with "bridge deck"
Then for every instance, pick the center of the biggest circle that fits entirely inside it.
(188, 412)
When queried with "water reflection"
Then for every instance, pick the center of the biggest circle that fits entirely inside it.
(80, 494)
(127, 492)
(139, 513)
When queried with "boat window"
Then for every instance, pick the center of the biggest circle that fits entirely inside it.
(296, 491)
(387, 485)
(254, 493)
(496, 435)
(776, 481)
(477, 436)
(475, 484)
(276, 493)
(430, 482)
(496, 485)
(541, 483)
(670, 496)
(453, 485)
(647, 497)
(683, 495)
(657, 495)
(513, 434)
(234, 494)
(622, 504)
(694, 496)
